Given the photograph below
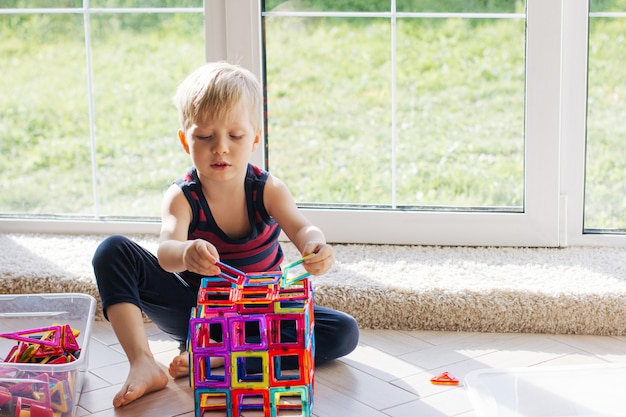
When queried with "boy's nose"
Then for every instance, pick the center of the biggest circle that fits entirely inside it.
(220, 146)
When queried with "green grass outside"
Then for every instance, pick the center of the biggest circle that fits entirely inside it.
(330, 111)
(459, 112)
(45, 160)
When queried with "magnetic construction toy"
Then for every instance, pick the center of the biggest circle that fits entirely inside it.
(444, 378)
(35, 393)
(261, 326)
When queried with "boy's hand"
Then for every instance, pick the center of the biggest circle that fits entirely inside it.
(200, 257)
(323, 259)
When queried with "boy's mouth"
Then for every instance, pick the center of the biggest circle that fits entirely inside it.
(220, 165)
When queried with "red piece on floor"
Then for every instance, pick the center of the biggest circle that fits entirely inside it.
(444, 379)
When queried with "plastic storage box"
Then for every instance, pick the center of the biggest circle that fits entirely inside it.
(62, 383)
(573, 391)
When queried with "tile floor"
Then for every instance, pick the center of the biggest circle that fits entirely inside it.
(388, 374)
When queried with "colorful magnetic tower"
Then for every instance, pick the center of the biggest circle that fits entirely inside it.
(261, 326)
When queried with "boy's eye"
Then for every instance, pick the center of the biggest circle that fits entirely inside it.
(205, 137)
(236, 136)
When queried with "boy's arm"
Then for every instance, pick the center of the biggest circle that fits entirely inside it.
(175, 252)
(309, 239)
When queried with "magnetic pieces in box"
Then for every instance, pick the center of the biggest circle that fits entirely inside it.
(23, 384)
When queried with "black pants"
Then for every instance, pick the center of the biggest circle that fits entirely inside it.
(128, 273)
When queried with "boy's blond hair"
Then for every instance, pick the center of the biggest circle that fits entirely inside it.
(213, 90)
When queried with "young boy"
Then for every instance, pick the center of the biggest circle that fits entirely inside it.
(223, 208)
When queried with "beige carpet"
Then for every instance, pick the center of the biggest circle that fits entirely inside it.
(570, 290)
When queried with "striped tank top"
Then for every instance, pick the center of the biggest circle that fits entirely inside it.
(258, 252)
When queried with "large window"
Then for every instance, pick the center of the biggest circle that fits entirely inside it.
(399, 121)
(409, 121)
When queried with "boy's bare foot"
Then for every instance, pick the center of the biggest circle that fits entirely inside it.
(144, 376)
(179, 366)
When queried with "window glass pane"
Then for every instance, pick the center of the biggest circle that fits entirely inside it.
(139, 59)
(461, 112)
(459, 107)
(36, 4)
(329, 109)
(145, 3)
(44, 118)
(605, 184)
(328, 5)
(456, 6)
(596, 6)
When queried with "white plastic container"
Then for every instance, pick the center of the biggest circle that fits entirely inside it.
(573, 391)
(22, 312)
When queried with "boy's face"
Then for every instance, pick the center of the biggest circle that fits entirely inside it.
(221, 149)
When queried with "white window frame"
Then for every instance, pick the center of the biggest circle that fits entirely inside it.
(574, 127)
(556, 94)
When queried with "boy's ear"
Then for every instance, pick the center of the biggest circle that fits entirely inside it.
(257, 140)
(183, 140)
